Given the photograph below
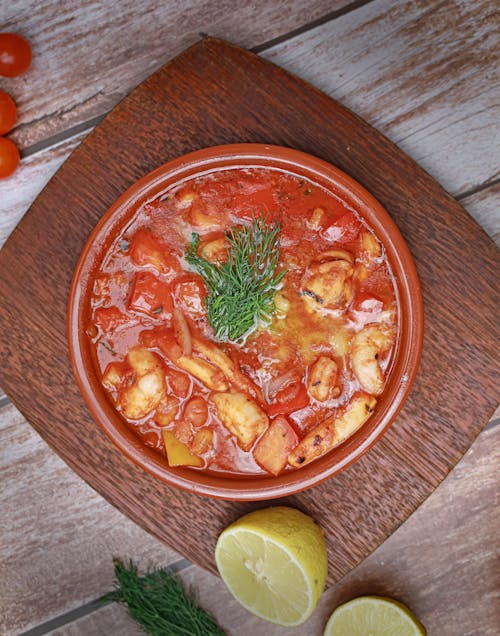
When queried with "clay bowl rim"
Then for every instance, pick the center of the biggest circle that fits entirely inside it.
(409, 341)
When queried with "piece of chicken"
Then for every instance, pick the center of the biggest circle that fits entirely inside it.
(241, 416)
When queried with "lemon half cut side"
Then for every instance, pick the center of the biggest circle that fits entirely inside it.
(274, 563)
(373, 616)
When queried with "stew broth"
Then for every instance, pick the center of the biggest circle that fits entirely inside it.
(295, 386)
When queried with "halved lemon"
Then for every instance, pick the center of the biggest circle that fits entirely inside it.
(373, 616)
(274, 563)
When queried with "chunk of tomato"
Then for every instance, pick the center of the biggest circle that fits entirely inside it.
(190, 293)
(292, 398)
(344, 230)
(109, 319)
(178, 382)
(273, 448)
(196, 411)
(164, 340)
(146, 250)
(151, 296)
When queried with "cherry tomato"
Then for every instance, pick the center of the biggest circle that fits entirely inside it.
(15, 55)
(7, 113)
(9, 157)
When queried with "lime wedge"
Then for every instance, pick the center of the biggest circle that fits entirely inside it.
(274, 563)
(373, 616)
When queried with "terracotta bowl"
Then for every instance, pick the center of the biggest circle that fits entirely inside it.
(408, 344)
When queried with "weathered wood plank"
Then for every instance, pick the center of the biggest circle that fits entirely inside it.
(117, 49)
(426, 74)
(57, 535)
(440, 563)
(110, 619)
(19, 191)
(484, 206)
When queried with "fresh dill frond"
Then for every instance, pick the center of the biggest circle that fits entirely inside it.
(158, 602)
(241, 290)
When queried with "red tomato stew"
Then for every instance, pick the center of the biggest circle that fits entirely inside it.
(245, 321)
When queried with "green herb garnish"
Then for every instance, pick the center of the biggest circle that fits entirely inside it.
(107, 346)
(158, 602)
(241, 290)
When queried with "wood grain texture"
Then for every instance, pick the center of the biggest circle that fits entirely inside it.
(484, 206)
(441, 563)
(220, 94)
(58, 536)
(111, 619)
(19, 191)
(118, 48)
(426, 74)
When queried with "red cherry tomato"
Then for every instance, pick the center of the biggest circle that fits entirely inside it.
(9, 157)
(7, 113)
(15, 55)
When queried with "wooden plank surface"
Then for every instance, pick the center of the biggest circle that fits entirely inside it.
(19, 192)
(426, 74)
(117, 49)
(441, 562)
(54, 532)
(484, 206)
(383, 488)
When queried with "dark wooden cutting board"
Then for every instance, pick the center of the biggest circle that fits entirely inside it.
(215, 93)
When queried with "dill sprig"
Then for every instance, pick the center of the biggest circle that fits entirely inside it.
(158, 602)
(241, 290)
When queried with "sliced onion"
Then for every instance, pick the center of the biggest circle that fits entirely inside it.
(182, 332)
(276, 384)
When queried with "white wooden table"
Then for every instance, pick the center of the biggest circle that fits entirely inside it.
(425, 73)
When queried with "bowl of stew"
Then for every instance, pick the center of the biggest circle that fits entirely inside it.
(245, 322)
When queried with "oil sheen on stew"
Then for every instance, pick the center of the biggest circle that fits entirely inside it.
(296, 386)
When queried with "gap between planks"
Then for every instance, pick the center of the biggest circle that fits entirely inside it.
(90, 607)
(288, 51)
(89, 124)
